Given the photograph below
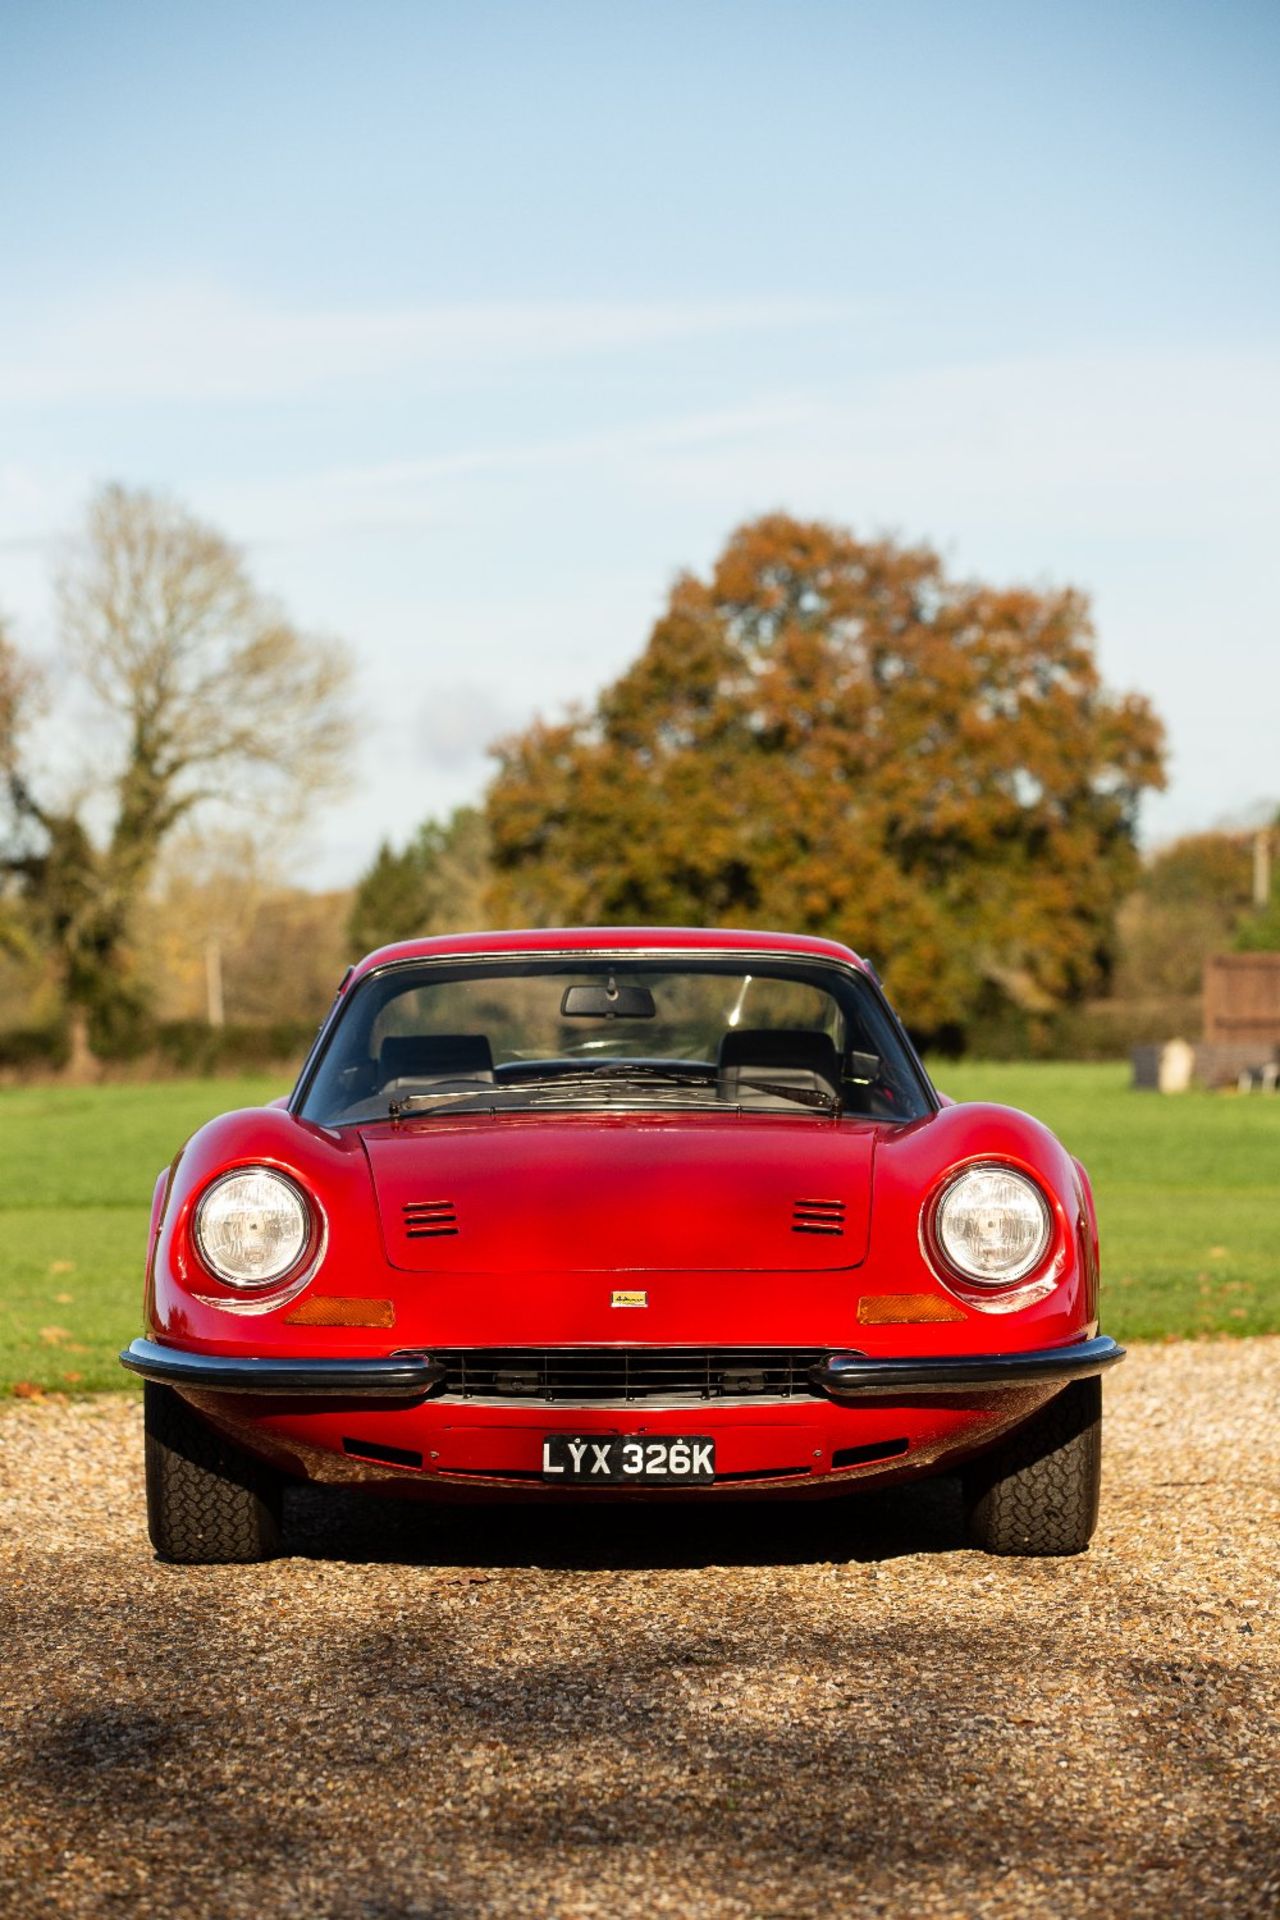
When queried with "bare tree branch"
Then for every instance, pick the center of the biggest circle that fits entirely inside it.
(211, 696)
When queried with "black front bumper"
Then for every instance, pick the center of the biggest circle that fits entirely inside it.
(408, 1376)
(852, 1376)
(841, 1377)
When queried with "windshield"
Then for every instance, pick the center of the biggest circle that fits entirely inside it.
(447, 1037)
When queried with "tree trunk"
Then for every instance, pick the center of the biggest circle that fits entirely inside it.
(83, 1064)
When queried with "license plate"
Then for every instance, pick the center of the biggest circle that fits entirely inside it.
(675, 1460)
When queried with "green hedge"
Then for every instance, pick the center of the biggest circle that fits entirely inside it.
(191, 1046)
(170, 1046)
(1095, 1030)
(33, 1049)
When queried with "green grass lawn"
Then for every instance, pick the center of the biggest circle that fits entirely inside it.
(77, 1166)
(1188, 1192)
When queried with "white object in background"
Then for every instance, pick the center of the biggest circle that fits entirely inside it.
(1175, 1067)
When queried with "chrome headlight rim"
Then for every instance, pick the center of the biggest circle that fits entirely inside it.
(248, 1296)
(965, 1280)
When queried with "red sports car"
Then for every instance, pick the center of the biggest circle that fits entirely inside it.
(623, 1214)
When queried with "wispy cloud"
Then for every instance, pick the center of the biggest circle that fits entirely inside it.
(1035, 454)
(195, 342)
(403, 493)
(1107, 447)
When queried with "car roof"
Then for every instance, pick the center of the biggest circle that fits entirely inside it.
(606, 940)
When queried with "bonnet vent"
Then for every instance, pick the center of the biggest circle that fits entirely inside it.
(429, 1219)
(818, 1216)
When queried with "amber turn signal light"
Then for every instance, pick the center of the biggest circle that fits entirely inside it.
(889, 1309)
(333, 1310)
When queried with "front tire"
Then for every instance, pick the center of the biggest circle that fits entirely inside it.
(1037, 1492)
(208, 1502)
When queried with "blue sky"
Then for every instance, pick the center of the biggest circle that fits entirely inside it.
(474, 323)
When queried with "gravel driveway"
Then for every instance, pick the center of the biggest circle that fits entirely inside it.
(749, 1712)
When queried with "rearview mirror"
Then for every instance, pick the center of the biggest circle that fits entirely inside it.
(611, 1002)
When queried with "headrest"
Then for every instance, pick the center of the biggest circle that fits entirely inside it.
(423, 1056)
(796, 1048)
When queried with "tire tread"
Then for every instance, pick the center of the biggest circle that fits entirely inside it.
(208, 1501)
(1037, 1493)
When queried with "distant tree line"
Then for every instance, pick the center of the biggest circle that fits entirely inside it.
(833, 735)
(826, 733)
(441, 880)
(1194, 898)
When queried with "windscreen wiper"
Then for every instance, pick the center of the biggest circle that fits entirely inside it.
(412, 1102)
(576, 1082)
(619, 1072)
(642, 1070)
(615, 1070)
(672, 1076)
(807, 1096)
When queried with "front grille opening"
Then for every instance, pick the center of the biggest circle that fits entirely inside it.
(386, 1456)
(429, 1219)
(585, 1376)
(860, 1456)
(818, 1216)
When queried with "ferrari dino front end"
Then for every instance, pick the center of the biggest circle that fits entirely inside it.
(625, 1214)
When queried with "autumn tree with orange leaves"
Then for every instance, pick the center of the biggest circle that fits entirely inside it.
(832, 735)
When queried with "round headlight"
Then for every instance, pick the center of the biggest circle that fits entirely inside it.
(252, 1228)
(992, 1225)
